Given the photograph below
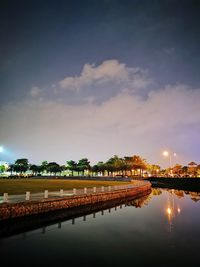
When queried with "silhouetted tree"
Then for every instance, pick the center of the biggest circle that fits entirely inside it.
(53, 167)
(72, 166)
(21, 165)
(83, 165)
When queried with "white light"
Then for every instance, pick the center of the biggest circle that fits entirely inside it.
(166, 153)
(1, 149)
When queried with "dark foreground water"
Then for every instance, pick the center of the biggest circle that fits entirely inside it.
(162, 229)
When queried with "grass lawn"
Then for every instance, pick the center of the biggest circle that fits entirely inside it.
(20, 186)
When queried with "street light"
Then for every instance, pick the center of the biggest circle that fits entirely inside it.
(168, 154)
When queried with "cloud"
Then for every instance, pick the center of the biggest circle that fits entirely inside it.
(35, 91)
(125, 124)
(107, 71)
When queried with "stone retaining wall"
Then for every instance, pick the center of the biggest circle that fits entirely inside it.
(8, 211)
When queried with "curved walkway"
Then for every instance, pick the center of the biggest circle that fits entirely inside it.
(66, 193)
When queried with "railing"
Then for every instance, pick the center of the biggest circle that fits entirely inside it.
(28, 196)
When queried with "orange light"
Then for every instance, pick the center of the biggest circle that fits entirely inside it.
(169, 211)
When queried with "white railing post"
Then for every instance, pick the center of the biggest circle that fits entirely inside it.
(5, 197)
(74, 191)
(61, 192)
(102, 189)
(46, 194)
(28, 194)
(94, 189)
(85, 190)
(109, 188)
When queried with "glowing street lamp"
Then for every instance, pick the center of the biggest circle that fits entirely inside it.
(168, 154)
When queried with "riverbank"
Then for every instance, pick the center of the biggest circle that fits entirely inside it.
(187, 184)
(27, 208)
(32, 222)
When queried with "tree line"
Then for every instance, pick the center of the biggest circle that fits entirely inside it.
(115, 165)
(124, 166)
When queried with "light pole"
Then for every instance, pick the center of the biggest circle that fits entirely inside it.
(168, 154)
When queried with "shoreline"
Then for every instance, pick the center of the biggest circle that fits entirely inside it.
(186, 184)
(9, 211)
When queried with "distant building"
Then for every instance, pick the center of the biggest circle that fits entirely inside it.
(192, 164)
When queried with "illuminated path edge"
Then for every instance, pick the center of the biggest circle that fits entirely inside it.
(22, 209)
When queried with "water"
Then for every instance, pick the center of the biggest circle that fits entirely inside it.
(161, 229)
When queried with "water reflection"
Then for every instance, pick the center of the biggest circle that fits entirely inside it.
(171, 208)
(8, 228)
(160, 229)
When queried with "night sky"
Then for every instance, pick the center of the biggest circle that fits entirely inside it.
(95, 78)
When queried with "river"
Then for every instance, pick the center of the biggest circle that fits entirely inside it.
(161, 229)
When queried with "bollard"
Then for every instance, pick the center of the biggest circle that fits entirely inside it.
(61, 192)
(84, 218)
(94, 189)
(5, 197)
(74, 191)
(109, 188)
(102, 212)
(94, 215)
(73, 221)
(46, 194)
(28, 194)
(85, 190)
(102, 189)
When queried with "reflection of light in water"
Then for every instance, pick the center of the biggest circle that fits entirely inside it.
(169, 211)
(172, 209)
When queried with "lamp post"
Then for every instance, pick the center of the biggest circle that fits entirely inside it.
(168, 154)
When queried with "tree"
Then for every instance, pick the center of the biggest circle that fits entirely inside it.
(54, 167)
(115, 164)
(11, 168)
(153, 169)
(101, 167)
(95, 169)
(83, 165)
(184, 171)
(44, 166)
(177, 169)
(2, 168)
(21, 165)
(35, 169)
(72, 166)
(138, 163)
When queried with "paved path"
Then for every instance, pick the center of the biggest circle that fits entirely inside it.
(66, 193)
